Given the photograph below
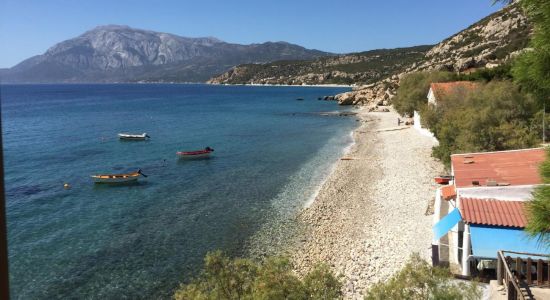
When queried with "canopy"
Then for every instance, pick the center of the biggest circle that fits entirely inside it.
(447, 223)
(486, 241)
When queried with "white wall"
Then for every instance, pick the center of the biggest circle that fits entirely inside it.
(510, 193)
(423, 131)
(431, 97)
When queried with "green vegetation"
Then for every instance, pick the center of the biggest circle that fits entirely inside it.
(532, 72)
(539, 209)
(413, 90)
(418, 280)
(532, 68)
(225, 278)
(495, 116)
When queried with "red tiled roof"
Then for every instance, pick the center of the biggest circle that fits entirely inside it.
(514, 167)
(442, 89)
(493, 212)
(448, 192)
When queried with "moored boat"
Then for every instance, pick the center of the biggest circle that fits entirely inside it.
(117, 178)
(205, 153)
(443, 179)
(133, 137)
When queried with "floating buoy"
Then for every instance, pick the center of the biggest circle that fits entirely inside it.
(66, 186)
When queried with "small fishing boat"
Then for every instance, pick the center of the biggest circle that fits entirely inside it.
(443, 179)
(117, 178)
(133, 137)
(205, 153)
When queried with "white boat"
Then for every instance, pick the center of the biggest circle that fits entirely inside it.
(133, 137)
(117, 178)
(205, 153)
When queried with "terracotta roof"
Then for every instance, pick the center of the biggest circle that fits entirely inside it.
(448, 192)
(442, 89)
(514, 167)
(493, 212)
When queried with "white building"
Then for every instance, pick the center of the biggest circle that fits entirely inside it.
(482, 210)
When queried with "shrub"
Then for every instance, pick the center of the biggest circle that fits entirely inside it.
(497, 116)
(413, 90)
(225, 278)
(418, 280)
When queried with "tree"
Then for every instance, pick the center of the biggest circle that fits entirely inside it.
(419, 280)
(532, 68)
(538, 225)
(531, 71)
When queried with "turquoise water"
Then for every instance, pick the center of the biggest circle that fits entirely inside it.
(141, 240)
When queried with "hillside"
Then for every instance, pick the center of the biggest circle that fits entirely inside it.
(487, 43)
(116, 53)
(363, 67)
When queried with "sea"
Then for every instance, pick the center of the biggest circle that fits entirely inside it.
(140, 241)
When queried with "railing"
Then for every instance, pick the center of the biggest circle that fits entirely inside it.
(516, 274)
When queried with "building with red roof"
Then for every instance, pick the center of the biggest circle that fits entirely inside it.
(483, 209)
(439, 91)
(502, 168)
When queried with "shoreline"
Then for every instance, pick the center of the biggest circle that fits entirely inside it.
(369, 213)
(330, 171)
(283, 230)
(284, 85)
(180, 83)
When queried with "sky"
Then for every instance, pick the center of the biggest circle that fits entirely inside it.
(30, 27)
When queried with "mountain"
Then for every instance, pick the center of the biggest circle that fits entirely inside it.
(487, 43)
(116, 53)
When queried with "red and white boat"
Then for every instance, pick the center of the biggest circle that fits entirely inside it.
(205, 153)
(443, 179)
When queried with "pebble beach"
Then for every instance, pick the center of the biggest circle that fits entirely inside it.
(374, 210)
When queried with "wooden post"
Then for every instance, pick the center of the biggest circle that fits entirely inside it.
(511, 291)
(528, 271)
(435, 255)
(539, 272)
(518, 267)
(500, 268)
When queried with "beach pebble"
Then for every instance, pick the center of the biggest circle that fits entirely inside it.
(369, 216)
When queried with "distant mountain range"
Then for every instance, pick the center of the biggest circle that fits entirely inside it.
(487, 43)
(116, 53)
